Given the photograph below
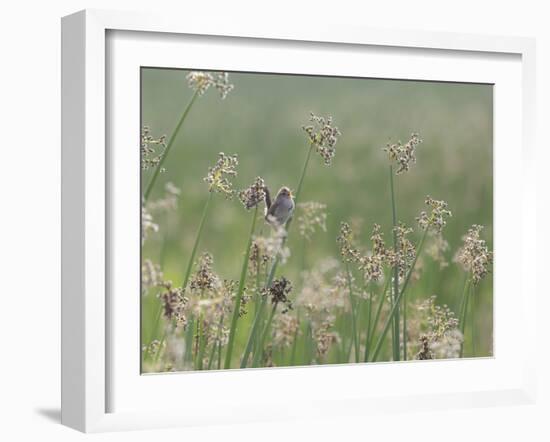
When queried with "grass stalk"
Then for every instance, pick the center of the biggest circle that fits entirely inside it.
(197, 240)
(376, 319)
(258, 355)
(355, 339)
(253, 332)
(395, 291)
(396, 303)
(153, 179)
(463, 310)
(237, 306)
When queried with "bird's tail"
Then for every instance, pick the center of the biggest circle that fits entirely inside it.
(267, 198)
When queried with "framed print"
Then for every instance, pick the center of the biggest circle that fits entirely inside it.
(263, 217)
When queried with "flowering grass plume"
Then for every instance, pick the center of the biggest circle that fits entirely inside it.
(152, 149)
(436, 220)
(174, 304)
(201, 81)
(148, 225)
(254, 194)
(278, 293)
(348, 252)
(403, 154)
(169, 202)
(312, 216)
(218, 177)
(323, 135)
(404, 254)
(435, 329)
(285, 328)
(474, 255)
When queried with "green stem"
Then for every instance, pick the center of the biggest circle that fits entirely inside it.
(237, 306)
(168, 147)
(197, 240)
(216, 343)
(395, 291)
(376, 317)
(463, 309)
(200, 341)
(258, 355)
(253, 331)
(473, 315)
(294, 344)
(353, 318)
(394, 306)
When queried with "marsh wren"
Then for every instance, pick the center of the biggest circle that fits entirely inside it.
(280, 211)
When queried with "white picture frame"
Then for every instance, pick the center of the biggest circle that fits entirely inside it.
(87, 210)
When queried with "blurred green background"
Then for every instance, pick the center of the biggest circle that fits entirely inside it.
(261, 119)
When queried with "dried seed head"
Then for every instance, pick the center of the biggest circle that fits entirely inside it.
(174, 303)
(372, 265)
(285, 329)
(322, 291)
(324, 136)
(147, 224)
(204, 278)
(168, 202)
(435, 328)
(218, 175)
(347, 250)
(200, 81)
(152, 149)
(404, 254)
(403, 154)
(436, 220)
(325, 338)
(264, 249)
(278, 292)
(474, 255)
(437, 248)
(313, 215)
(253, 195)
(151, 276)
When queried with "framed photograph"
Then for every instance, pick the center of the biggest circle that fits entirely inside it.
(292, 223)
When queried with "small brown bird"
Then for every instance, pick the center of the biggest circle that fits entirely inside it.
(278, 213)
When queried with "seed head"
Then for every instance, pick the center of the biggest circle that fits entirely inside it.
(151, 275)
(325, 338)
(204, 278)
(437, 249)
(403, 154)
(474, 255)
(152, 149)
(168, 202)
(436, 330)
(313, 215)
(404, 254)
(278, 292)
(347, 250)
(324, 136)
(218, 175)
(147, 224)
(200, 81)
(285, 329)
(174, 303)
(436, 220)
(253, 195)
(266, 248)
(372, 264)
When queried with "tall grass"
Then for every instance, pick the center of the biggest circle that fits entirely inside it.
(367, 307)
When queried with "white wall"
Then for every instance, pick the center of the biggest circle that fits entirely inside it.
(29, 220)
